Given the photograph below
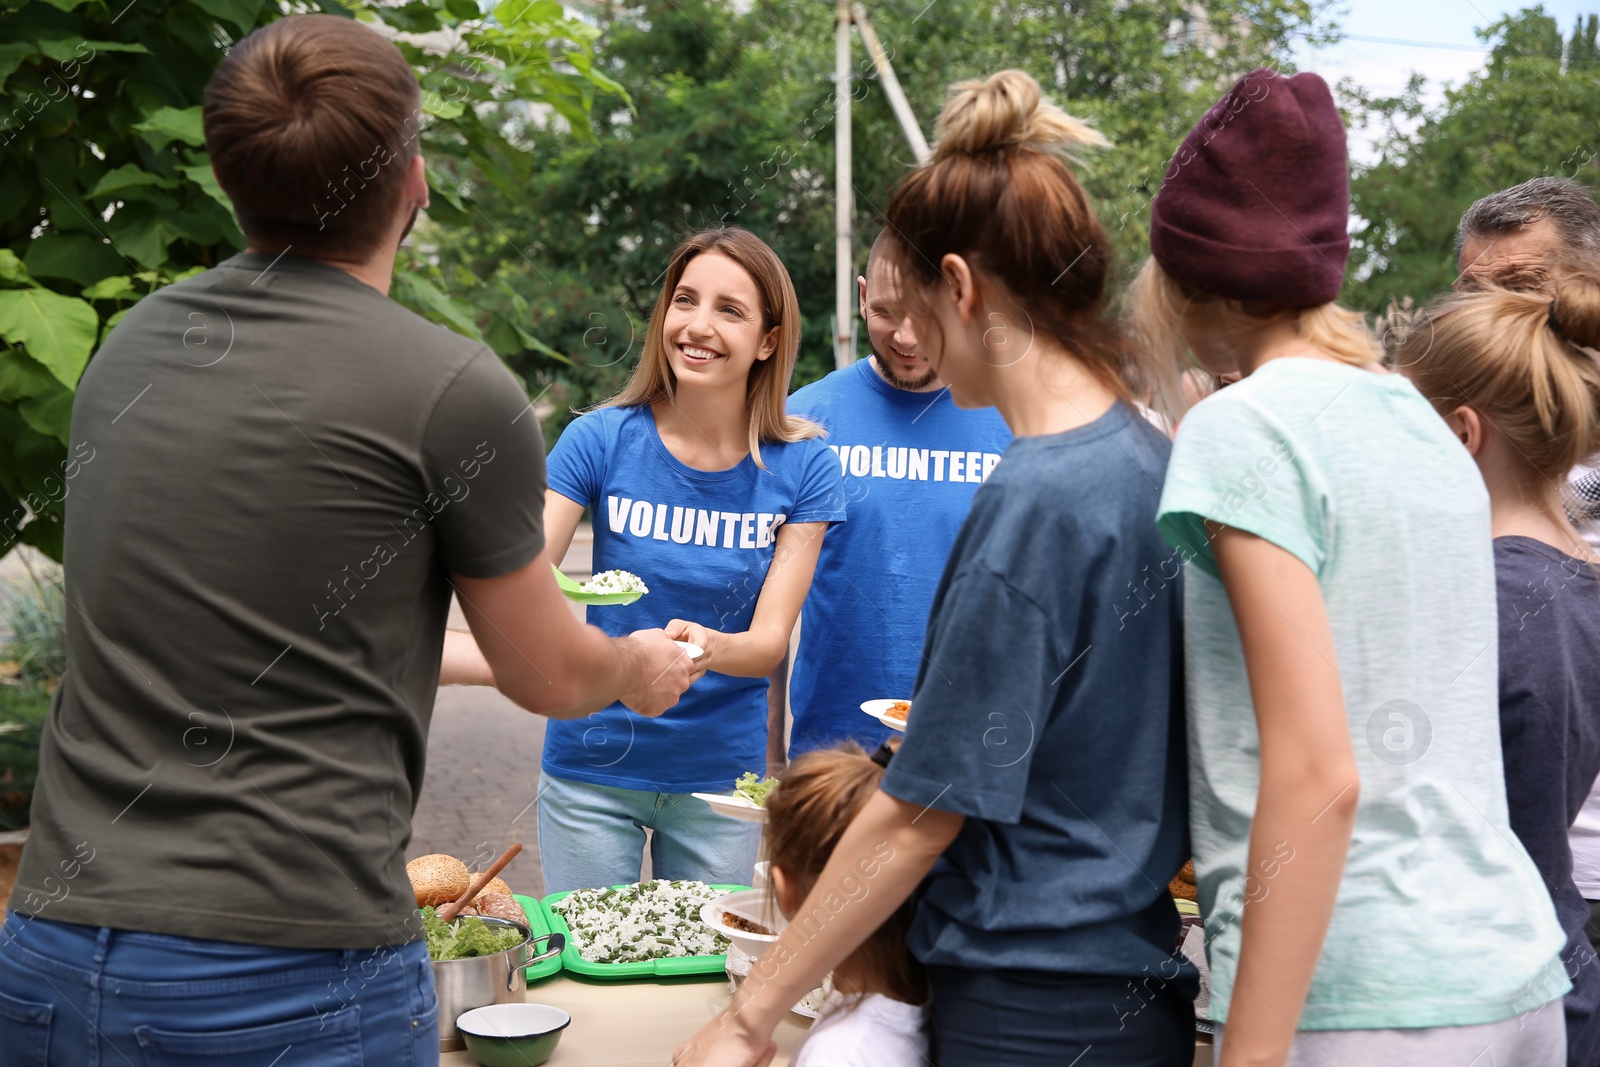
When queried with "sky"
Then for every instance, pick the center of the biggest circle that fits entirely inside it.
(1386, 40)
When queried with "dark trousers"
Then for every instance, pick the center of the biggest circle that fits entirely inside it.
(1034, 1019)
(1593, 926)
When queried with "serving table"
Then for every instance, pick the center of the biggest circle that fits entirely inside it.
(641, 1023)
(637, 1023)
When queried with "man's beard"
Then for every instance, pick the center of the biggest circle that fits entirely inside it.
(407, 231)
(893, 375)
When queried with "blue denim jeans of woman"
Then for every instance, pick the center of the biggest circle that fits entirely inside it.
(593, 835)
(84, 996)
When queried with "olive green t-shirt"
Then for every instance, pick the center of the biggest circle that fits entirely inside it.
(287, 467)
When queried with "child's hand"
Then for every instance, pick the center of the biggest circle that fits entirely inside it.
(709, 641)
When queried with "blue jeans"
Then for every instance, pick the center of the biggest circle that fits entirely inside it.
(593, 835)
(84, 996)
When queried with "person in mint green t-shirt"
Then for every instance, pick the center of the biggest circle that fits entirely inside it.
(1365, 900)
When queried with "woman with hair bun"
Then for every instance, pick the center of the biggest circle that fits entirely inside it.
(1365, 901)
(1037, 800)
(1516, 376)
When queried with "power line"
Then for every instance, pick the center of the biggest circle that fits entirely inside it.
(1408, 43)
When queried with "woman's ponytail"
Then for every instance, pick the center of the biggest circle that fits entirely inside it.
(1527, 360)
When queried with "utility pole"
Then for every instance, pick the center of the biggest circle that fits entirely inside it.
(846, 12)
(891, 87)
(844, 346)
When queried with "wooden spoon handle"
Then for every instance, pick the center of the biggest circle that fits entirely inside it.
(450, 910)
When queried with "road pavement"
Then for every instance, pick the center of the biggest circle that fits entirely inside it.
(483, 769)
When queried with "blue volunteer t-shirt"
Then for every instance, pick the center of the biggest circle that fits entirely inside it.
(1050, 713)
(911, 463)
(702, 542)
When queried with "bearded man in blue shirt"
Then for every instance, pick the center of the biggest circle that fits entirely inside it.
(911, 461)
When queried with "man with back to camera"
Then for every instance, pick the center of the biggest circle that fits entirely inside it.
(1514, 238)
(912, 461)
(290, 473)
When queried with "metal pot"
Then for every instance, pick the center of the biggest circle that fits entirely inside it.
(481, 980)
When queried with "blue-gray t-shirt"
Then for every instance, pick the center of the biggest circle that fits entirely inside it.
(1048, 710)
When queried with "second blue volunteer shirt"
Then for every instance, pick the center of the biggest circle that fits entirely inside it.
(911, 463)
(702, 541)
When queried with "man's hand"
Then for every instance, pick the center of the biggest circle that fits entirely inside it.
(658, 672)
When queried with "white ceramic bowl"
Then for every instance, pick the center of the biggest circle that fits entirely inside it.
(512, 1035)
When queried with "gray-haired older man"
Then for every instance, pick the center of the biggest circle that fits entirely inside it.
(1514, 236)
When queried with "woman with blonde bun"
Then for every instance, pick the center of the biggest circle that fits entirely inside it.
(1516, 376)
(1037, 801)
(1365, 900)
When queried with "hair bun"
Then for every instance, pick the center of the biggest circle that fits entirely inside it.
(1575, 311)
(1007, 109)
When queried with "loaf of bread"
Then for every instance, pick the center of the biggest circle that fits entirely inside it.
(437, 879)
(496, 886)
(501, 906)
(1183, 886)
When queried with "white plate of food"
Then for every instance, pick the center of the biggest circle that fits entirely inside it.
(607, 587)
(733, 805)
(749, 793)
(892, 713)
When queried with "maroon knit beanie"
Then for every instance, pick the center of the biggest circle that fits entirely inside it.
(1256, 202)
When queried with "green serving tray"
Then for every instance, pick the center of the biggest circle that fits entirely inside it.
(574, 591)
(664, 968)
(539, 923)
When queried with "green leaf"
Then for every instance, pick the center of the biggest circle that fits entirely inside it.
(169, 124)
(510, 13)
(436, 105)
(58, 331)
(202, 175)
(71, 48)
(442, 185)
(66, 5)
(49, 414)
(46, 532)
(241, 13)
(539, 346)
(12, 56)
(111, 288)
(429, 301)
(11, 268)
(22, 377)
(76, 257)
(128, 176)
(142, 232)
(111, 324)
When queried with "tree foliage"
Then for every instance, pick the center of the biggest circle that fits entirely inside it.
(1531, 111)
(734, 123)
(106, 191)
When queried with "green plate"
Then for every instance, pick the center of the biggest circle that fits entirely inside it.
(539, 922)
(574, 591)
(677, 965)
